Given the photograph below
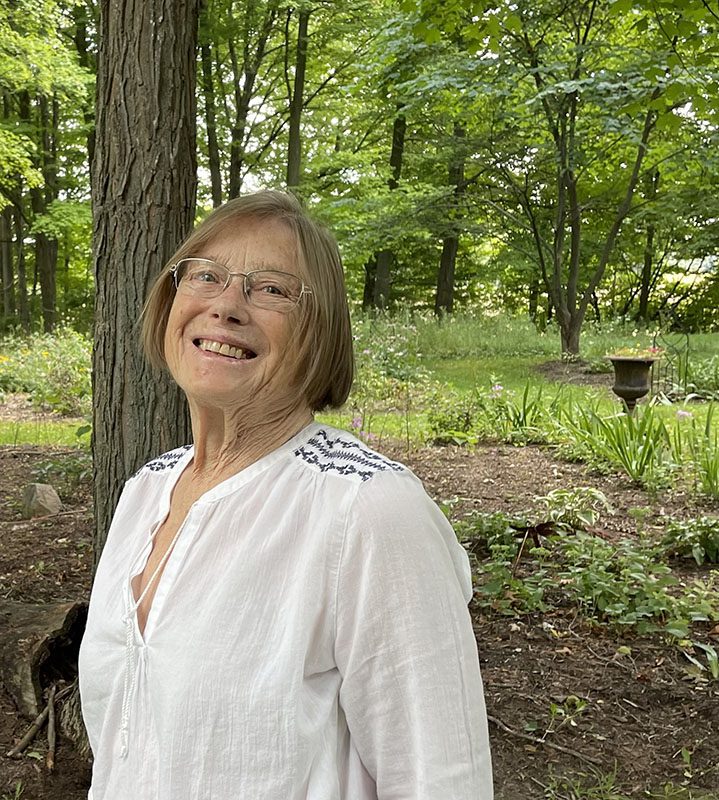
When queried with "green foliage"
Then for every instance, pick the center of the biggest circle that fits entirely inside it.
(693, 538)
(703, 378)
(53, 369)
(696, 446)
(18, 792)
(67, 471)
(638, 444)
(624, 583)
(574, 509)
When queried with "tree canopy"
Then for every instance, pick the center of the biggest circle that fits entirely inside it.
(555, 158)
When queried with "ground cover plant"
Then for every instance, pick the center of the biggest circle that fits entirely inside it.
(593, 537)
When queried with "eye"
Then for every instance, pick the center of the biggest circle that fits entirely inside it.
(201, 273)
(270, 286)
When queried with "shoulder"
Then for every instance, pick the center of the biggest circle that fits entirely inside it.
(164, 462)
(335, 452)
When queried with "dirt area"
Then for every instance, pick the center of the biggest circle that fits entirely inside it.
(637, 712)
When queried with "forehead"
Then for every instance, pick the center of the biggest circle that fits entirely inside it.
(254, 243)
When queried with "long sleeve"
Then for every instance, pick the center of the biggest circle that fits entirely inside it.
(411, 688)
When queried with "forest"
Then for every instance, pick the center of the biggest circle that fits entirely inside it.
(555, 159)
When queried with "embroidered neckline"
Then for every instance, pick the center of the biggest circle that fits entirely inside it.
(345, 456)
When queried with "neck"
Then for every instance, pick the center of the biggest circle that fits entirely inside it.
(227, 441)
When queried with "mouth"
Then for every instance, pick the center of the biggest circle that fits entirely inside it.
(230, 351)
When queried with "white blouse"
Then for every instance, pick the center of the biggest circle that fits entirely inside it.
(308, 640)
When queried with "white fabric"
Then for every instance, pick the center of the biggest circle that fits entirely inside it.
(309, 638)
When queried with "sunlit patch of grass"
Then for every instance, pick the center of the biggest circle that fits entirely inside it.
(42, 432)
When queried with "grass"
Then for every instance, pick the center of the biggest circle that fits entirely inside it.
(460, 354)
(466, 372)
(41, 432)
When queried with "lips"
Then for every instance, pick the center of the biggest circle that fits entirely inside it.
(224, 349)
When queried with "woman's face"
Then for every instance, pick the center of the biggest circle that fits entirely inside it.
(197, 326)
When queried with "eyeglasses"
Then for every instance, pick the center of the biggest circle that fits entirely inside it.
(264, 288)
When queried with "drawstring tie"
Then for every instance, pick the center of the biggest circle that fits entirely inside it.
(130, 680)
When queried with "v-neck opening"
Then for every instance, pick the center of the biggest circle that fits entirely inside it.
(222, 489)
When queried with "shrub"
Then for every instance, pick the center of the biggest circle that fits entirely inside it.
(693, 538)
(53, 369)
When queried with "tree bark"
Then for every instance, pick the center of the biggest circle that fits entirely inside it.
(444, 298)
(143, 182)
(23, 305)
(370, 272)
(294, 147)
(384, 258)
(8, 273)
(213, 150)
(648, 265)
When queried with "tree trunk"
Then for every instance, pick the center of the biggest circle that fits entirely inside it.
(647, 266)
(253, 54)
(370, 273)
(83, 18)
(213, 150)
(383, 278)
(385, 258)
(444, 298)
(8, 273)
(22, 299)
(294, 148)
(143, 182)
(569, 332)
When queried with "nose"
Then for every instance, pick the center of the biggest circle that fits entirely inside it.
(232, 304)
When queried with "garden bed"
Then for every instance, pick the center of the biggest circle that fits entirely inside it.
(570, 704)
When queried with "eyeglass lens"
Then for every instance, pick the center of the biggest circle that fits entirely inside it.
(264, 288)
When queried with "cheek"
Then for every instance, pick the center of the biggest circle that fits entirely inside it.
(173, 334)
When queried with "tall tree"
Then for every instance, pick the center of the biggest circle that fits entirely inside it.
(144, 182)
(296, 100)
(444, 299)
(579, 92)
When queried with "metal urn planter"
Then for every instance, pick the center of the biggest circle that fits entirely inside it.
(632, 377)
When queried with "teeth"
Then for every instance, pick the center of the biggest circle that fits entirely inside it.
(222, 349)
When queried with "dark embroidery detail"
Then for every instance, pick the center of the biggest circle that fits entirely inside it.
(166, 460)
(344, 456)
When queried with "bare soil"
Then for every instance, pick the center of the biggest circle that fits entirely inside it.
(643, 707)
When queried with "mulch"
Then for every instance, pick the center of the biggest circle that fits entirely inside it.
(564, 698)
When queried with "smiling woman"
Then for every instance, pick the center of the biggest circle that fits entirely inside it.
(279, 611)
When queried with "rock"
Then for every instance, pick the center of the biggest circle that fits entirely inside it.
(40, 500)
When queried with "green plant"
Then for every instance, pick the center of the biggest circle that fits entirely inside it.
(696, 538)
(637, 444)
(17, 792)
(574, 509)
(594, 785)
(53, 369)
(624, 583)
(710, 654)
(503, 414)
(66, 471)
(452, 419)
(703, 378)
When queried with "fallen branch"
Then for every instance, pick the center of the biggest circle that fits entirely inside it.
(38, 722)
(537, 741)
(18, 524)
(50, 757)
